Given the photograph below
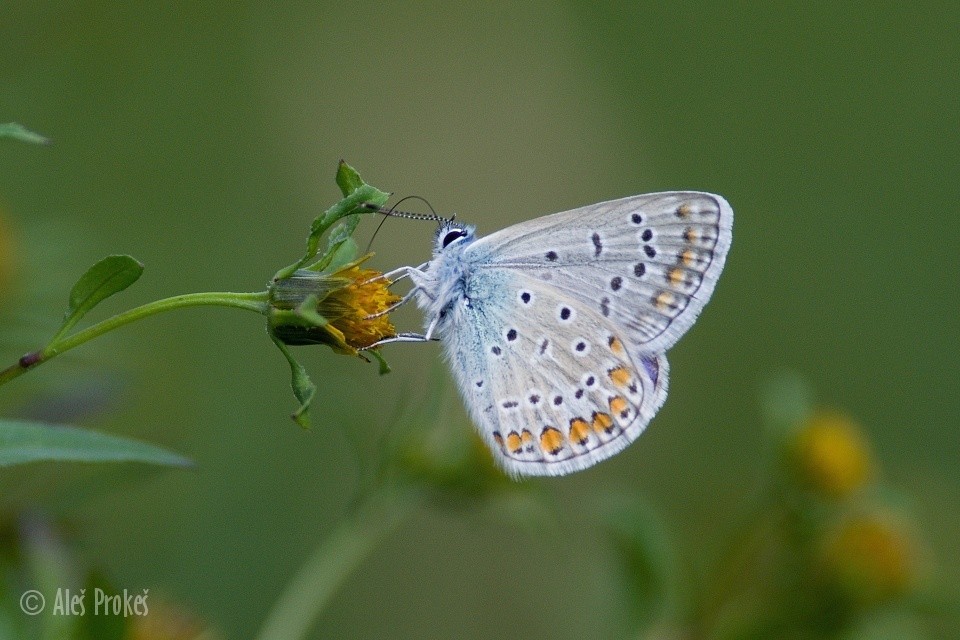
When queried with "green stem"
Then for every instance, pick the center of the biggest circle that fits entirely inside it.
(249, 301)
(340, 554)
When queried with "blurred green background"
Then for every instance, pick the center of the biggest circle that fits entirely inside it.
(202, 138)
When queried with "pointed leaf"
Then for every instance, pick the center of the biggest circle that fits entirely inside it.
(303, 387)
(348, 179)
(109, 276)
(19, 132)
(353, 204)
(22, 442)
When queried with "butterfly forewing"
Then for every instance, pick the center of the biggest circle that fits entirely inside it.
(553, 386)
(647, 264)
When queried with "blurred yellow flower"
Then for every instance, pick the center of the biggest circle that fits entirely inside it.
(830, 456)
(166, 621)
(870, 558)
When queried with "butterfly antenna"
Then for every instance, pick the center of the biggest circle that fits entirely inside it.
(393, 213)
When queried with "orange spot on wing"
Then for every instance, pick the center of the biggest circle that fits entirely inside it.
(551, 440)
(620, 376)
(664, 299)
(602, 422)
(675, 276)
(513, 442)
(526, 439)
(615, 345)
(579, 431)
(688, 257)
(620, 406)
(684, 210)
(691, 235)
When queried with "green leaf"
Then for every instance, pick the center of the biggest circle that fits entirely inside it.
(17, 131)
(109, 276)
(348, 179)
(352, 203)
(303, 387)
(22, 442)
(341, 248)
(342, 254)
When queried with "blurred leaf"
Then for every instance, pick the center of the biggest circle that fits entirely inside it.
(22, 442)
(888, 624)
(17, 131)
(109, 276)
(95, 625)
(647, 559)
(303, 387)
(786, 400)
(48, 566)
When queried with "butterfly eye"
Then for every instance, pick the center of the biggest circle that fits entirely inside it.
(451, 236)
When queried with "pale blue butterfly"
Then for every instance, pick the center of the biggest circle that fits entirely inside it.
(556, 328)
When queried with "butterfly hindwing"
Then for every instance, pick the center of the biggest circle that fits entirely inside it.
(647, 264)
(553, 385)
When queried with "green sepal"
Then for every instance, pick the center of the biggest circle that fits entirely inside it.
(384, 367)
(109, 276)
(307, 311)
(303, 387)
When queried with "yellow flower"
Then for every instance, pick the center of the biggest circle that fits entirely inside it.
(348, 308)
(870, 558)
(830, 456)
(333, 308)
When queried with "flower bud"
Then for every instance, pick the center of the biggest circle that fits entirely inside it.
(870, 558)
(830, 456)
(333, 309)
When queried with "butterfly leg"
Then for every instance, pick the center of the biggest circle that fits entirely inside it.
(400, 337)
(407, 337)
(396, 305)
(397, 274)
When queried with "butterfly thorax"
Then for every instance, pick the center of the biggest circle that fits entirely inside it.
(443, 285)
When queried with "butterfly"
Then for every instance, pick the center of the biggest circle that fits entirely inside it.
(556, 328)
